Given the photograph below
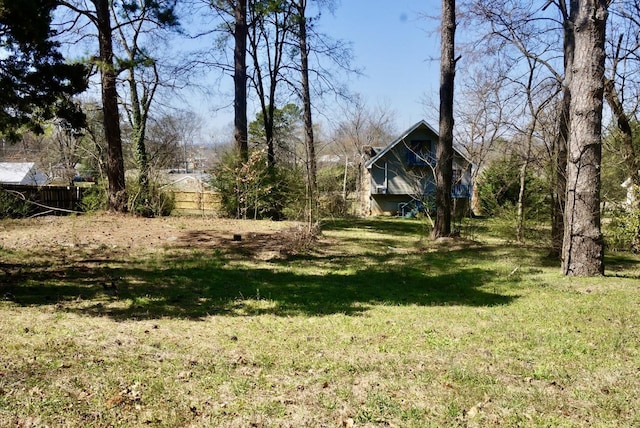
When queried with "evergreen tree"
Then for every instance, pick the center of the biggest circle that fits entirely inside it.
(35, 82)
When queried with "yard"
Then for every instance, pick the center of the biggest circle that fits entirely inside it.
(131, 322)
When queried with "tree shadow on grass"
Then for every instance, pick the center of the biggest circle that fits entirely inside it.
(391, 226)
(196, 285)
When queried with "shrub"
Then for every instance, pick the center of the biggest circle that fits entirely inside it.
(499, 185)
(94, 198)
(253, 190)
(155, 202)
(622, 233)
(13, 206)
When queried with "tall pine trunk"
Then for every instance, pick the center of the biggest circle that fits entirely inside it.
(583, 246)
(312, 180)
(240, 80)
(117, 198)
(444, 150)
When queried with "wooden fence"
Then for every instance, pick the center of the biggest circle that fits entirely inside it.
(60, 199)
(53, 198)
(192, 202)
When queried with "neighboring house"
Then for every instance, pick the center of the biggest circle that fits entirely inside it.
(399, 178)
(21, 173)
(185, 182)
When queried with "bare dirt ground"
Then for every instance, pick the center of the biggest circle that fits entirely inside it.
(128, 235)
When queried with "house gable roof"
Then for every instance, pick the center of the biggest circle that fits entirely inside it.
(398, 140)
(402, 137)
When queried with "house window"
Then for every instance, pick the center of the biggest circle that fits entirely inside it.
(456, 178)
(419, 153)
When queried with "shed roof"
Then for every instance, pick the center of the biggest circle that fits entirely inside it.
(20, 173)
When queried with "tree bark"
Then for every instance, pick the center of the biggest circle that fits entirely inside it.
(444, 151)
(312, 179)
(240, 79)
(583, 245)
(117, 198)
(522, 190)
(560, 144)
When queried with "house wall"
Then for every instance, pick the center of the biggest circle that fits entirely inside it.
(392, 173)
(392, 182)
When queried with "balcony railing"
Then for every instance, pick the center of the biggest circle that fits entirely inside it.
(460, 190)
(415, 158)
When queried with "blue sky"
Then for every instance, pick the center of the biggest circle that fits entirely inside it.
(393, 43)
(396, 45)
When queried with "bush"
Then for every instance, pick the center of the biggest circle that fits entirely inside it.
(499, 186)
(94, 198)
(13, 206)
(333, 205)
(622, 233)
(253, 190)
(153, 203)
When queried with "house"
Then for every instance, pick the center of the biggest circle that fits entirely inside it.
(399, 178)
(22, 173)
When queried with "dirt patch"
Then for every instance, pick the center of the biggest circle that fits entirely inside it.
(121, 234)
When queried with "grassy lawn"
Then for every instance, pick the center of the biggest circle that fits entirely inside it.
(372, 325)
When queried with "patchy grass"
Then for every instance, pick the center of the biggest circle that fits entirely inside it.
(372, 326)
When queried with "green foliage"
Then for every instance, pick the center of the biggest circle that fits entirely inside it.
(150, 202)
(13, 206)
(622, 233)
(499, 185)
(94, 198)
(35, 81)
(253, 190)
(614, 169)
(155, 203)
(331, 179)
(330, 185)
(285, 122)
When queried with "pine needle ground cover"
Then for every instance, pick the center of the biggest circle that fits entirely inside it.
(171, 322)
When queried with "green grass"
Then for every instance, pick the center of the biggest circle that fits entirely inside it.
(373, 326)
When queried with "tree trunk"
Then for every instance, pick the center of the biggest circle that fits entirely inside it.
(312, 179)
(240, 80)
(444, 151)
(139, 135)
(521, 193)
(583, 246)
(560, 144)
(117, 199)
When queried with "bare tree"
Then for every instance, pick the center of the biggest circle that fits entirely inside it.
(98, 14)
(583, 246)
(269, 35)
(520, 34)
(305, 90)
(360, 129)
(233, 18)
(622, 81)
(137, 27)
(481, 119)
(240, 34)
